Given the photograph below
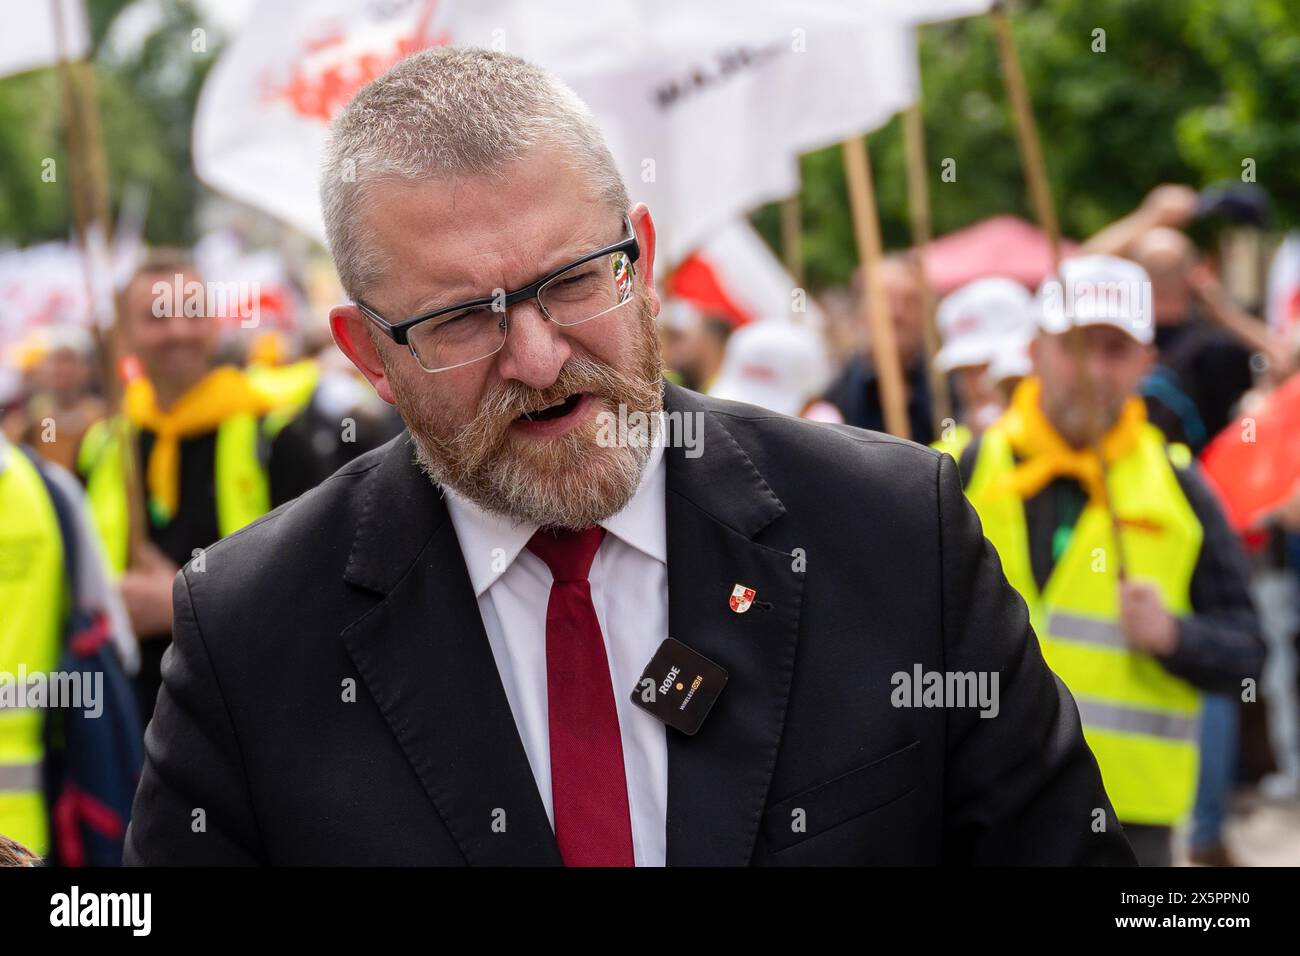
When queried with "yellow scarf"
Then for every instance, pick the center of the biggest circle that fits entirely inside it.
(1045, 455)
(221, 393)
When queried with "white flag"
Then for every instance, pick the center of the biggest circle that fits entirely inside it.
(706, 106)
(30, 38)
(933, 11)
(1283, 309)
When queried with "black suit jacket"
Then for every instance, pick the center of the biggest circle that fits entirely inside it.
(331, 696)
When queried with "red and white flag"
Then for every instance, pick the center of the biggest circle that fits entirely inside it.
(706, 106)
(734, 275)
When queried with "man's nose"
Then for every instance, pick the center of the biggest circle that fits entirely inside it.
(1098, 366)
(178, 325)
(536, 348)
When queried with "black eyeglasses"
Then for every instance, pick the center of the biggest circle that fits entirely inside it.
(458, 335)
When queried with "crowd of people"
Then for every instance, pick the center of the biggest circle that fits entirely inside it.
(215, 431)
(1075, 428)
(1143, 598)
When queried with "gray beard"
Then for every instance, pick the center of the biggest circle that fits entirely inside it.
(580, 497)
(568, 482)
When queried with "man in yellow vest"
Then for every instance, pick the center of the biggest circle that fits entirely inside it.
(1136, 627)
(207, 440)
(50, 566)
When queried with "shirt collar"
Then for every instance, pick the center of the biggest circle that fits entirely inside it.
(490, 542)
(642, 523)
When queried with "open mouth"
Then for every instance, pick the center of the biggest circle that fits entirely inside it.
(558, 410)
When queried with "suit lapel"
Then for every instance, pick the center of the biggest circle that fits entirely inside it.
(425, 659)
(716, 504)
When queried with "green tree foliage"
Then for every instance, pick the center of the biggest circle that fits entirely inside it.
(31, 207)
(146, 107)
(1255, 48)
(1183, 91)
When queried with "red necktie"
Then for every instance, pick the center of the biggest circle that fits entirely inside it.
(593, 826)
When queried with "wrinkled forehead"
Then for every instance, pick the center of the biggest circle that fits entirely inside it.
(458, 237)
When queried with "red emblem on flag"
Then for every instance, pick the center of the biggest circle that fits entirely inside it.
(741, 598)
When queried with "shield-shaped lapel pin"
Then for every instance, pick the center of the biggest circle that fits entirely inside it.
(741, 598)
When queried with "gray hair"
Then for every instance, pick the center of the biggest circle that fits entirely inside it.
(443, 112)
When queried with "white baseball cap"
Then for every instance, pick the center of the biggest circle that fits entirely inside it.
(1012, 360)
(678, 315)
(774, 363)
(977, 321)
(1097, 290)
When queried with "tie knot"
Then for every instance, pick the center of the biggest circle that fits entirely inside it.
(567, 553)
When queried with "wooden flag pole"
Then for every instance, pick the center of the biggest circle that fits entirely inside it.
(866, 229)
(918, 202)
(792, 238)
(1031, 153)
(90, 211)
(1031, 157)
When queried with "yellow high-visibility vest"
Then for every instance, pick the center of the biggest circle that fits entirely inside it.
(1140, 721)
(243, 486)
(33, 605)
(288, 387)
(953, 442)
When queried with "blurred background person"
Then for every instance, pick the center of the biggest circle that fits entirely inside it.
(67, 773)
(1138, 649)
(777, 364)
(324, 413)
(1210, 355)
(207, 446)
(1201, 370)
(1011, 364)
(856, 390)
(977, 323)
(692, 344)
(340, 419)
(61, 403)
(676, 324)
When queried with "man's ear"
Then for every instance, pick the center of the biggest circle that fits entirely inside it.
(644, 225)
(348, 326)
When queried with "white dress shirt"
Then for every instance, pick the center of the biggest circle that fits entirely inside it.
(629, 588)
